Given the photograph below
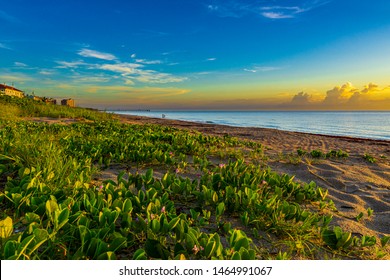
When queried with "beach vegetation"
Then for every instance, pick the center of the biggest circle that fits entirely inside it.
(337, 154)
(317, 154)
(301, 152)
(369, 158)
(202, 204)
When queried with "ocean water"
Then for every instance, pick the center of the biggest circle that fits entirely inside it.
(366, 124)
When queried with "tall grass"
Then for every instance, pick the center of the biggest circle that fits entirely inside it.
(24, 107)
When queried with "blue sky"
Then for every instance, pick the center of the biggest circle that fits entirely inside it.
(205, 54)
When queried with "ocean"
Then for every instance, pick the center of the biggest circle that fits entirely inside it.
(361, 124)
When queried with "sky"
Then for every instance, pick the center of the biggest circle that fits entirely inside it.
(200, 54)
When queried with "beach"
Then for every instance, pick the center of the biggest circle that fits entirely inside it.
(354, 183)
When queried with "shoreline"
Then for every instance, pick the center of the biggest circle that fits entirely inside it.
(158, 120)
(183, 124)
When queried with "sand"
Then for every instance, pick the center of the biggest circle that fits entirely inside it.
(354, 184)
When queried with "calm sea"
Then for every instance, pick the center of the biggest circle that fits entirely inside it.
(367, 124)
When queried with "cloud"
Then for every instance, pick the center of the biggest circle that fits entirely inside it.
(96, 54)
(15, 78)
(237, 9)
(46, 72)
(145, 61)
(150, 76)
(20, 64)
(228, 9)
(280, 12)
(133, 55)
(344, 97)
(370, 88)
(135, 71)
(4, 46)
(129, 72)
(73, 64)
(276, 15)
(211, 59)
(301, 98)
(122, 68)
(339, 94)
(262, 69)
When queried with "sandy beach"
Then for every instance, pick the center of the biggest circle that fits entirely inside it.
(354, 184)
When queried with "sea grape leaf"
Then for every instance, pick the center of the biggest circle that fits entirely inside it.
(9, 249)
(140, 254)
(6, 227)
(51, 207)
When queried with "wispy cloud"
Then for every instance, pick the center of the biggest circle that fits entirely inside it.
(20, 64)
(131, 73)
(282, 12)
(4, 46)
(72, 64)
(134, 71)
(15, 78)
(211, 59)
(122, 68)
(234, 8)
(96, 54)
(262, 69)
(145, 61)
(46, 72)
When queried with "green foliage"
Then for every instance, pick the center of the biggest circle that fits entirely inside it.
(369, 158)
(59, 212)
(301, 152)
(337, 154)
(6, 228)
(317, 154)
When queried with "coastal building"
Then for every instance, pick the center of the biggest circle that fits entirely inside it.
(50, 101)
(68, 102)
(11, 91)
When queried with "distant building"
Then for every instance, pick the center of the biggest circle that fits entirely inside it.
(68, 102)
(50, 101)
(11, 91)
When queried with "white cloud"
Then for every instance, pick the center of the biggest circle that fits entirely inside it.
(73, 64)
(122, 68)
(150, 76)
(262, 69)
(46, 72)
(20, 64)
(234, 8)
(4, 46)
(134, 71)
(211, 59)
(280, 12)
(145, 61)
(133, 55)
(96, 54)
(276, 15)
